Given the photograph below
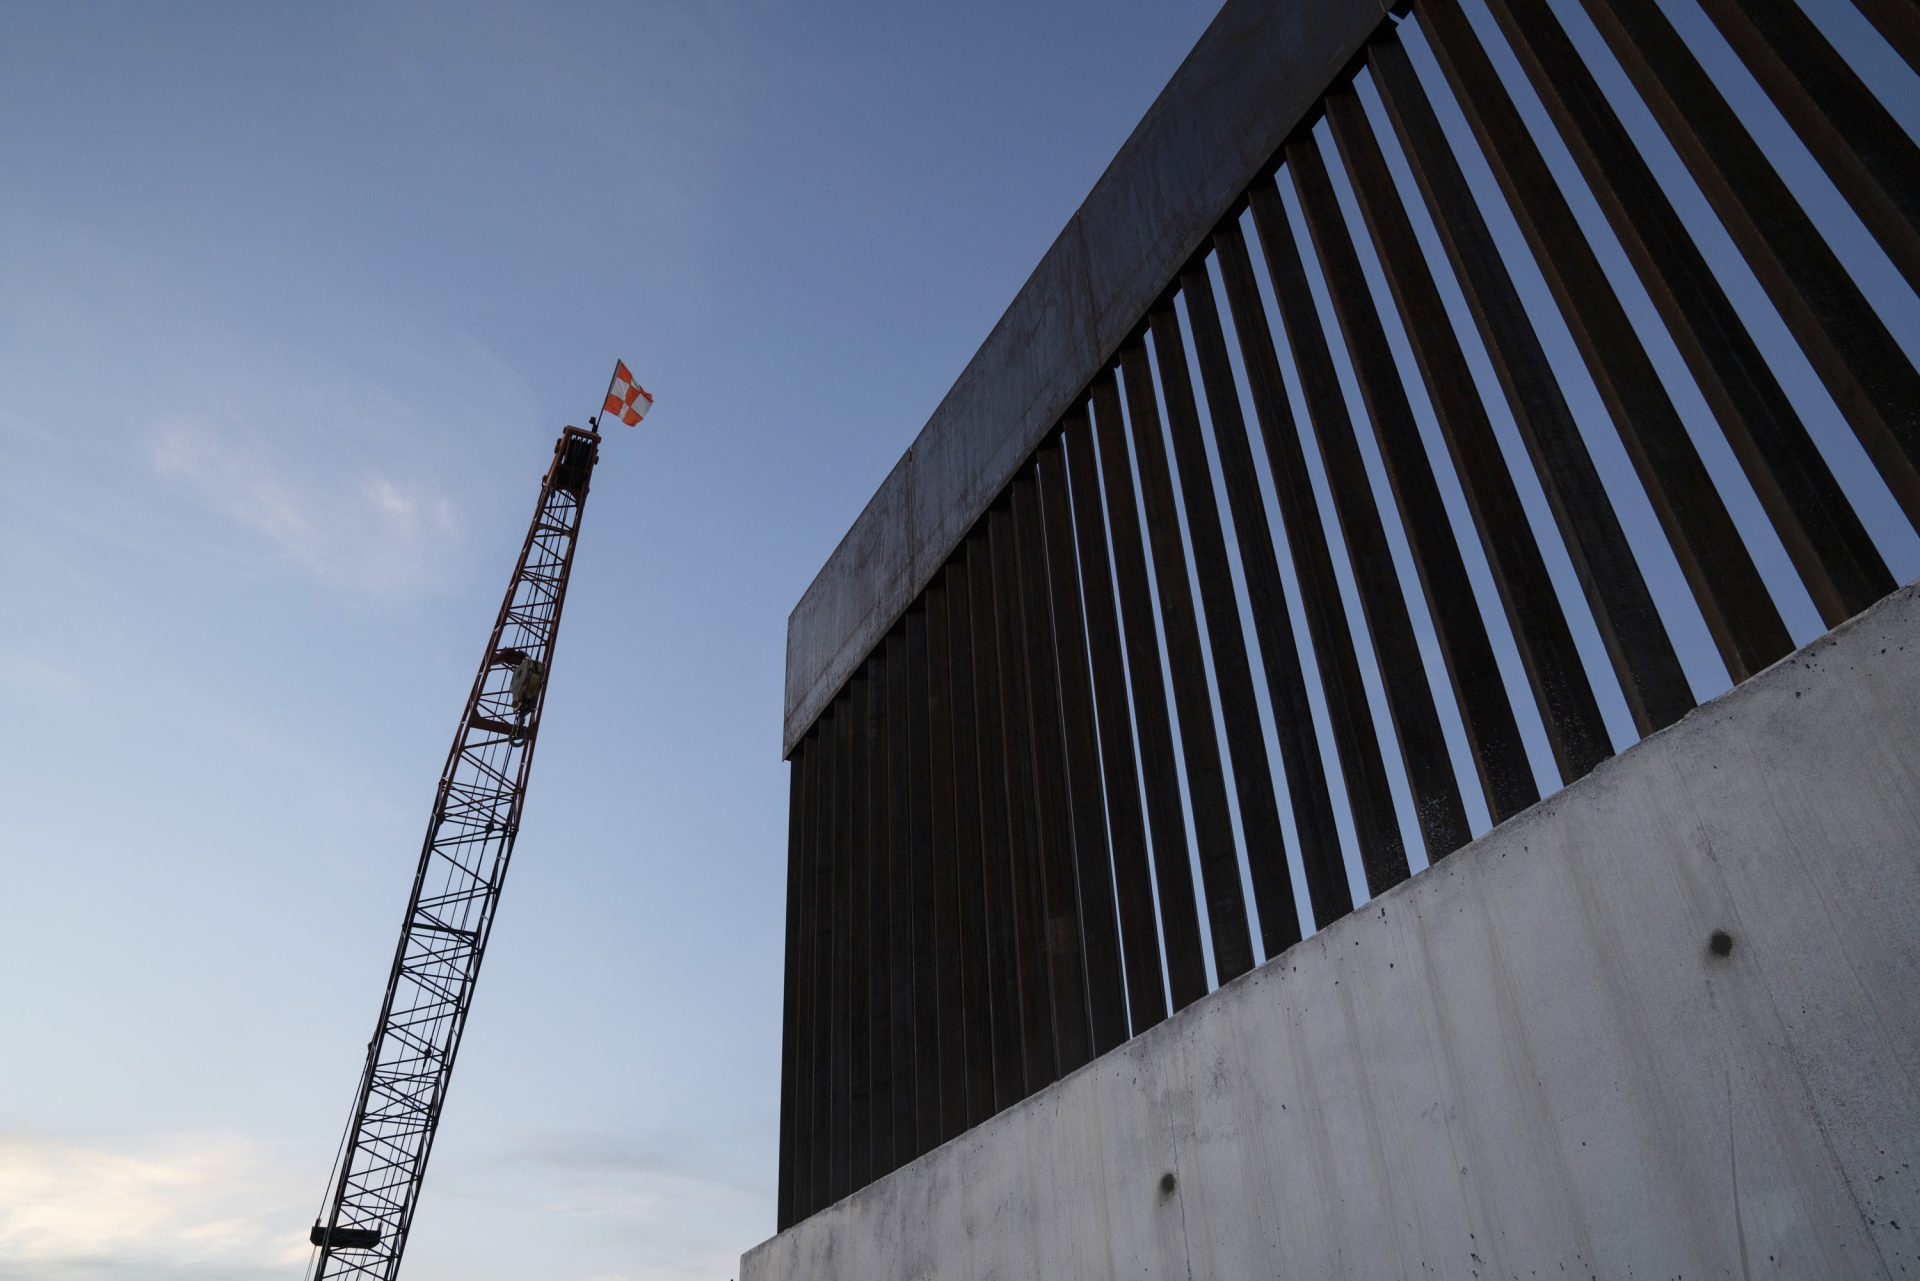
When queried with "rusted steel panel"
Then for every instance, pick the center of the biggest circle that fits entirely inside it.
(955, 1053)
(1059, 900)
(904, 923)
(1092, 867)
(1126, 826)
(1192, 704)
(820, 908)
(1746, 398)
(860, 969)
(1554, 669)
(1864, 368)
(1026, 824)
(932, 902)
(882, 1013)
(1854, 137)
(1313, 818)
(1810, 513)
(1382, 853)
(1009, 1043)
(1166, 815)
(1651, 678)
(791, 1002)
(840, 1119)
(1899, 22)
(1423, 746)
(1493, 736)
(976, 963)
(1232, 670)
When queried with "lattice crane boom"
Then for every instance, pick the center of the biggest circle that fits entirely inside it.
(463, 863)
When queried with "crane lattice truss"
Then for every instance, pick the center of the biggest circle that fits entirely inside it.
(469, 841)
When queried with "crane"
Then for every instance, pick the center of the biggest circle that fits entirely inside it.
(375, 1183)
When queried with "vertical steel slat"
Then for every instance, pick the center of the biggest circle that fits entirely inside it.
(1232, 669)
(1382, 855)
(790, 988)
(1748, 402)
(1864, 368)
(1192, 704)
(1437, 802)
(1568, 706)
(1899, 22)
(880, 922)
(934, 677)
(1080, 748)
(1313, 819)
(806, 1059)
(1126, 826)
(905, 924)
(1856, 139)
(1492, 734)
(1651, 678)
(1025, 835)
(1166, 819)
(1060, 895)
(840, 1178)
(860, 937)
(932, 901)
(976, 967)
(1809, 511)
(1009, 1044)
(820, 1110)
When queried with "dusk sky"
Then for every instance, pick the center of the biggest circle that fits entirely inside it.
(295, 299)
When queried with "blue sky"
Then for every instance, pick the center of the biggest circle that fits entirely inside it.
(295, 300)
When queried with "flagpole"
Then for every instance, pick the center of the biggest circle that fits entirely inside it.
(612, 378)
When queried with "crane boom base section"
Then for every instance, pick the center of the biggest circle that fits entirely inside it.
(463, 864)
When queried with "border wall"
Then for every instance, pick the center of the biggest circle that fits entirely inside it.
(1529, 1061)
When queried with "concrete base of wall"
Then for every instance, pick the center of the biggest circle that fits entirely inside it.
(1529, 1061)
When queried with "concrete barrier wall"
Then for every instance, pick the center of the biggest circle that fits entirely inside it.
(1528, 1061)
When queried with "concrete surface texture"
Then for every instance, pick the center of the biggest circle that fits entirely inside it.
(1664, 1024)
(1253, 75)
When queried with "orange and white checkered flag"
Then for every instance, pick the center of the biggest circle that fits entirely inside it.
(627, 397)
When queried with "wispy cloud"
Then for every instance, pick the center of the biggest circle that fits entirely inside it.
(593, 1152)
(656, 1191)
(29, 675)
(367, 530)
(141, 1208)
